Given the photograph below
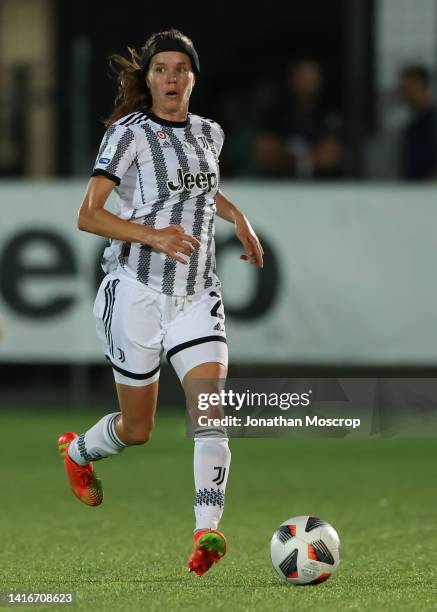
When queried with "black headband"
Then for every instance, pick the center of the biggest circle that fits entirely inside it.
(170, 44)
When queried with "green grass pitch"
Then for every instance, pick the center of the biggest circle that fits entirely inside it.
(130, 554)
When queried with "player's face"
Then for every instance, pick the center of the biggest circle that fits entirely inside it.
(170, 79)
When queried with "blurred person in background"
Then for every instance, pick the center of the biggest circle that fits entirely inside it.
(161, 290)
(303, 140)
(245, 115)
(419, 136)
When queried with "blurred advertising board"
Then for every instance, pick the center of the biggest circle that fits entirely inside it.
(349, 276)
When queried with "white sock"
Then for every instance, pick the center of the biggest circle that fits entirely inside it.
(212, 459)
(97, 443)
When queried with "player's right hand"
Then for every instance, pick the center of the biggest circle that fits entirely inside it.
(173, 240)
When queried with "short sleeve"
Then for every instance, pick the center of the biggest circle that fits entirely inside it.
(116, 154)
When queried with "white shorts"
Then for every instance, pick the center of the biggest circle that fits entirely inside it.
(135, 324)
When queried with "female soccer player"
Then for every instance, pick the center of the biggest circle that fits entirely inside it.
(161, 290)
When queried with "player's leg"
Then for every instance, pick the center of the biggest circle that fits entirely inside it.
(196, 348)
(212, 459)
(117, 430)
(108, 437)
(134, 424)
(132, 345)
(212, 456)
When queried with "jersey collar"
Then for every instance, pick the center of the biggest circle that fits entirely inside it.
(165, 122)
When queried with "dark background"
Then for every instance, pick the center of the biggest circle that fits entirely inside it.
(237, 45)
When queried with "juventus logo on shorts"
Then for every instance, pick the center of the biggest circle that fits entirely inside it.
(220, 475)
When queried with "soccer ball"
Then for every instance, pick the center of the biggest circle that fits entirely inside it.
(305, 550)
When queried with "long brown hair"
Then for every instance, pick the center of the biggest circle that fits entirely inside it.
(133, 94)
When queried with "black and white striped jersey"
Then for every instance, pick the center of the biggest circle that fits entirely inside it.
(166, 173)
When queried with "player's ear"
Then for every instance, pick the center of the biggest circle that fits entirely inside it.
(146, 79)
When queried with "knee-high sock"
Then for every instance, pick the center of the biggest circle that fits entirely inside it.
(212, 459)
(98, 442)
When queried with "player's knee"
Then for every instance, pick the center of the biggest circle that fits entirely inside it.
(141, 438)
(138, 435)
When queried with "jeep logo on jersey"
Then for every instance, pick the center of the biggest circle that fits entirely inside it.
(202, 180)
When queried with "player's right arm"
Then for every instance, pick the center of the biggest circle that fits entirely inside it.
(94, 218)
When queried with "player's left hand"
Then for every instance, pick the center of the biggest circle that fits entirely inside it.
(253, 251)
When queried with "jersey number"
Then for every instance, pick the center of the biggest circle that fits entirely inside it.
(214, 309)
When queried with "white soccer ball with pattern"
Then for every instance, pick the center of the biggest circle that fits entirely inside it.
(305, 550)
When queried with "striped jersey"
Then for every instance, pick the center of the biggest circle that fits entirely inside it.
(166, 173)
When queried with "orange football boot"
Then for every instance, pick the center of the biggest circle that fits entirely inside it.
(83, 481)
(209, 547)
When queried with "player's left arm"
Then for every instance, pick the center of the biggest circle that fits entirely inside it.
(253, 251)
